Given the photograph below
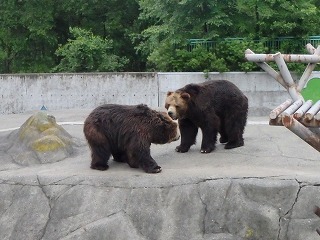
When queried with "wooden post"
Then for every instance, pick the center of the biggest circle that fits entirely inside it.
(313, 111)
(276, 112)
(278, 57)
(306, 74)
(302, 110)
(302, 58)
(302, 132)
(266, 67)
(290, 110)
(287, 113)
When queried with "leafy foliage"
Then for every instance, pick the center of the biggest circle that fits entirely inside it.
(225, 56)
(199, 59)
(27, 41)
(271, 18)
(233, 52)
(88, 53)
(173, 22)
(176, 21)
(140, 35)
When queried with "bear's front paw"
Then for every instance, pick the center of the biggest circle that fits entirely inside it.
(101, 167)
(182, 149)
(207, 149)
(156, 169)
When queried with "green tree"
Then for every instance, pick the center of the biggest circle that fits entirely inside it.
(276, 18)
(108, 19)
(233, 54)
(150, 34)
(223, 56)
(171, 23)
(198, 59)
(27, 39)
(174, 22)
(87, 53)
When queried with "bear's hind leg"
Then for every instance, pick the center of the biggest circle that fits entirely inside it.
(223, 133)
(235, 123)
(120, 157)
(99, 146)
(234, 130)
(209, 138)
(188, 133)
(100, 155)
(234, 144)
(210, 133)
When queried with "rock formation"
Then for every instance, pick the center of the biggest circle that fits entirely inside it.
(40, 140)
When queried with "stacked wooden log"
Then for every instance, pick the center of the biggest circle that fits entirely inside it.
(300, 117)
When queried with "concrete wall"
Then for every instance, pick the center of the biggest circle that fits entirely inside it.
(28, 92)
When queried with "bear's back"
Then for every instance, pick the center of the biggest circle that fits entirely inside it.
(220, 95)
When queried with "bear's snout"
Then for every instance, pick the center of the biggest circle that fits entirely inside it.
(177, 137)
(172, 113)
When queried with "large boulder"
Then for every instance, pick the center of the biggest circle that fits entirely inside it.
(40, 140)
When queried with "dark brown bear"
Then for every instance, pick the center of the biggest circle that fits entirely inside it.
(126, 133)
(213, 106)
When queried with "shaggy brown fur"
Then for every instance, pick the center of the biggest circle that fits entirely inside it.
(213, 106)
(126, 132)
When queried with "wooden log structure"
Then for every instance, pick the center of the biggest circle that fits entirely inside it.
(283, 76)
(287, 58)
(300, 119)
(299, 116)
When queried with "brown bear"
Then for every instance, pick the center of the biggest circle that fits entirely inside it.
(213, 106)
(126, 132)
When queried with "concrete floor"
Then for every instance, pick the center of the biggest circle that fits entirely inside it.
(269, 186)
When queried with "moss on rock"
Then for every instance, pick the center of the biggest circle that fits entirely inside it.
(40, 139)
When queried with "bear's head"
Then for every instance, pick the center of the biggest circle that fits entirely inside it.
(165, 129)
(157, 126)
(177, 104)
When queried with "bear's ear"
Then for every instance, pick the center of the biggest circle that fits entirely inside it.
(169, 93)
(185, 96)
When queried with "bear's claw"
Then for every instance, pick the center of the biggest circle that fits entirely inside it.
(157, 169)
(206, 150)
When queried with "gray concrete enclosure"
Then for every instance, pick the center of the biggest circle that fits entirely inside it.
(265, 190)
(22, 93)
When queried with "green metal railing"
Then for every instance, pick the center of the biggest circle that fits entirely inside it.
(274, 44)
